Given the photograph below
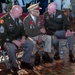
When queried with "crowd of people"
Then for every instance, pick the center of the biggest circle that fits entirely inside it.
(17, 33)
(64, 5)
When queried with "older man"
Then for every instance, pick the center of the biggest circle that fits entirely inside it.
(56, 24)
(35, 31)
(15, 38)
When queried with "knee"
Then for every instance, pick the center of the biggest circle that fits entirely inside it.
(10, 48)
(31, 44)
(55, 42)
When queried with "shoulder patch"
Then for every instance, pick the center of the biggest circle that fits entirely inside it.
(65, 13)
(1, 21)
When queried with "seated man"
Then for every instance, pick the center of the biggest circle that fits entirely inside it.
(15, 38)
(56, 23)
(35, 31)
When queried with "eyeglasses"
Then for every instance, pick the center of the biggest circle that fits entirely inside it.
(36, 11)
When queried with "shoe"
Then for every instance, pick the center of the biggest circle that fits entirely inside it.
(37, 59)
(46, 58)
(56, 56)
(15, 70)
(71, 58)
(26, 65)
(8, 71)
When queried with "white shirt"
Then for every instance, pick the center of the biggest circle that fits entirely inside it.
(33, 17)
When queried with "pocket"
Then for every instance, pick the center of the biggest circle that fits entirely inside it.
(11, 28)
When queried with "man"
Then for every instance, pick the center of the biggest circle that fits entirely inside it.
(35, 31)
(3, 5)
(24, 4)
(15, 38)
(8, 5)
(56, 24)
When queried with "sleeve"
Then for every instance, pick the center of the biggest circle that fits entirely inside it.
(23, 32)
(66, 23)
(47, 22)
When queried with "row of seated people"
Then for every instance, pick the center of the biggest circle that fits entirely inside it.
(15, 34)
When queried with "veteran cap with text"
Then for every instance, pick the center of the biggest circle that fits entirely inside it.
(34, 7)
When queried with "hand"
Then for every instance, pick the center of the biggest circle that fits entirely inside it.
(23, 40)
(68, 33)
(39, 39)
(43, 30)
(17, 43)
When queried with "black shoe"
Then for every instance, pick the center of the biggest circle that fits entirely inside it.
(26, 65)
(37, 59)
(15, 70)
(56, 56)
(8, 71)
(46, 58)
(71, 58)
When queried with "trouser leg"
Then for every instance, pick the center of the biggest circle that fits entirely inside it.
(11, 50)
(28, 47)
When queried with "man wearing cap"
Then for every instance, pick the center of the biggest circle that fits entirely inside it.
(15, 38)
(56, 23)
(35, 31)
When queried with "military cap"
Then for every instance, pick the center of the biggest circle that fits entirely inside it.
(34, 7)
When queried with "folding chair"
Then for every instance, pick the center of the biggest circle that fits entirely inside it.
(4, 57)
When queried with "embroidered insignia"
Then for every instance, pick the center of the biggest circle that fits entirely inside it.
(59, 16)
(7, 39)
(39, 24)
(1, 29)
(47, 17)
(31, 22)
(30, 27)
(10, 25)
(9, 17)
(1, 21)
(51, 16)
(65, 13)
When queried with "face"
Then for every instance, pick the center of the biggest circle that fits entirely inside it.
(18, 13)
(35, 13)
(51, 9)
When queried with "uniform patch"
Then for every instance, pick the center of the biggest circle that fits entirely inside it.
(59, 16)
(10, 25)
(1, 29)
(1, 21)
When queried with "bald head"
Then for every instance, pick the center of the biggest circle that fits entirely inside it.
(16, 11)
(52, 8)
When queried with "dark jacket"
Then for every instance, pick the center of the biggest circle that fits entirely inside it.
(55, 22)
(31, 28)
(12, 30)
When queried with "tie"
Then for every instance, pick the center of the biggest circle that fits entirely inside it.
(23, 2)
(16, 20)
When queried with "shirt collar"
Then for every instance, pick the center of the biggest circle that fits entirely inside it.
(33, 17)
(12, 16)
